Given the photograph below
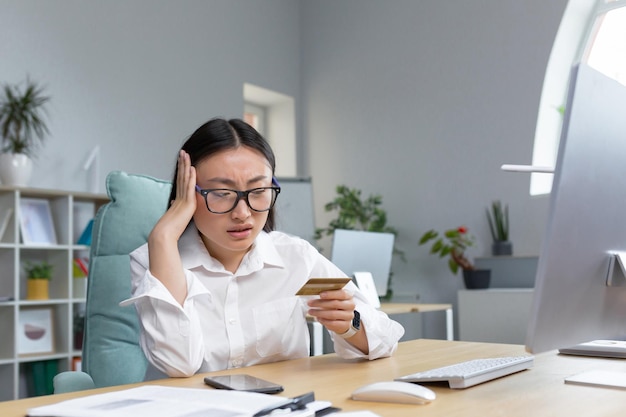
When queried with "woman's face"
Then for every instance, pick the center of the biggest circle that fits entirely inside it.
(230, 235)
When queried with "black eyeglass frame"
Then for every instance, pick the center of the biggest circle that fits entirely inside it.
(240, 195)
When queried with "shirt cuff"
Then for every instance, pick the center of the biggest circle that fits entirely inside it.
(151, 287)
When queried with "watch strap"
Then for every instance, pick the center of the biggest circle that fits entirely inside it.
(354, 327)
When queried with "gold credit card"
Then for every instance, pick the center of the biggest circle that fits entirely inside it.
(314, 286)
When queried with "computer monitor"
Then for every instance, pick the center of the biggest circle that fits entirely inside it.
(294, 208)
(587, 222)
(358, 251)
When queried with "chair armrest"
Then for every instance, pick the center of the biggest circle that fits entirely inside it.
(70, 381)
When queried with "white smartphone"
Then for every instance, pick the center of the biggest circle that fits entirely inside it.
(243, 382)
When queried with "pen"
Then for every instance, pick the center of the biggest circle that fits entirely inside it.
(327, 410)
(295, 403)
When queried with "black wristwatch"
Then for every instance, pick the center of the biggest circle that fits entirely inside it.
(355, 327)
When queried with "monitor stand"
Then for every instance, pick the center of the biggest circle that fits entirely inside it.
(616, 277)
(598, 348)
(599, 378)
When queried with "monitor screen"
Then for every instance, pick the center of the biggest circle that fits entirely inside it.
(587, 221)
(357, 251)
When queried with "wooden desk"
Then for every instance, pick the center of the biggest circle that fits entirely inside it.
(539, 391)
(399, 308)
(317, 334)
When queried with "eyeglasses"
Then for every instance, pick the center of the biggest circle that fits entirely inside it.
(224, 200)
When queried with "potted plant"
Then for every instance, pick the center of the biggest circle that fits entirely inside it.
(453, 243)
(354, 213)
(357, 213)
(22, 126)
(498, 219)
(38, 276)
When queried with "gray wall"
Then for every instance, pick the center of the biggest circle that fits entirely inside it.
(138, 76)
(420, 101)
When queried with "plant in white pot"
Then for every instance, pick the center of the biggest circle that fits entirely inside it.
(22, 127)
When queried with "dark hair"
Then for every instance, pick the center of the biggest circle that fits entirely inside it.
(219, 134)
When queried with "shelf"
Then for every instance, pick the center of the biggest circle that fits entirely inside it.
(70, 213)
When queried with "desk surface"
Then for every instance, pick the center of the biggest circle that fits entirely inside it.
(398, 308)
(539, 391)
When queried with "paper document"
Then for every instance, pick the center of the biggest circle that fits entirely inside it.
(160, 401)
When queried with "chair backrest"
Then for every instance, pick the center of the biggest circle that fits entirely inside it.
(111, 352)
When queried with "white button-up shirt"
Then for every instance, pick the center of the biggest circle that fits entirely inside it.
(246, 318)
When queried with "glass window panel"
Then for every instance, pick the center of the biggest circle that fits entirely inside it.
(599, 31)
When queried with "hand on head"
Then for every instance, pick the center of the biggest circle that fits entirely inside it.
(186, 184)
(183, 207)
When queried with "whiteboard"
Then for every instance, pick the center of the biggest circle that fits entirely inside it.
(294, 212)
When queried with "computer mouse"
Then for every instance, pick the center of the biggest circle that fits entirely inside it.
(394, 392)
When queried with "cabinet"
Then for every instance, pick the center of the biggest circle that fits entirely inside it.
(494, 315)
(70, 214)
(510, 271)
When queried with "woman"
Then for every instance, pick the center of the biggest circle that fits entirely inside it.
(214, 286)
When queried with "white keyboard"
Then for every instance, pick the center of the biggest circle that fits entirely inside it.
(467, 374)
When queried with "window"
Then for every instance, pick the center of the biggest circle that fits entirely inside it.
(607, 51)
(593, 32)
(255, 115)
(273, 115)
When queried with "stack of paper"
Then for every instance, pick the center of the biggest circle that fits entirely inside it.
(159, 401)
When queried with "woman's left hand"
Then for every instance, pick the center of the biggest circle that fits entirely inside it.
(334, 310)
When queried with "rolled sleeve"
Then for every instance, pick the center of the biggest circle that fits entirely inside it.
(382, 333)
(172, 335)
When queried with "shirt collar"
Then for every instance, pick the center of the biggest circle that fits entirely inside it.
(194, 254)
(266, 251)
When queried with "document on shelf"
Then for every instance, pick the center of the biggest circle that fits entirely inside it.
(160, 401)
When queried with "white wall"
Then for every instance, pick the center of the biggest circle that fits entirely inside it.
(422, 101)
(138, 76)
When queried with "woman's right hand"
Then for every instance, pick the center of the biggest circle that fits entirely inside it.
(175, 220)
(165, 261)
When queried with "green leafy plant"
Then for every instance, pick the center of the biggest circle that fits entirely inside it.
(452, 243)
(498, 219)
(38, 270)
(21, 118)
(355, 213)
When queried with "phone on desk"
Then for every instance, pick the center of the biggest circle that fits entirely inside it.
(243, 382)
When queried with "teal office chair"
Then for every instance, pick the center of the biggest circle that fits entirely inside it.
(111, 351)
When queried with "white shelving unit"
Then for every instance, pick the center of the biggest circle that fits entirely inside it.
(71, 212)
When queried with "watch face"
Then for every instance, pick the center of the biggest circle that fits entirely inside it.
(356, 321)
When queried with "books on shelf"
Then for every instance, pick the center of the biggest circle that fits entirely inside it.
(85, 237)
(77, 364)
(39, 377)
(5, 216)
(80, 267)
